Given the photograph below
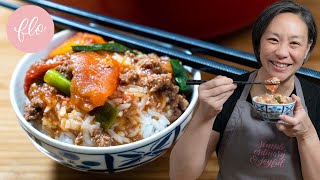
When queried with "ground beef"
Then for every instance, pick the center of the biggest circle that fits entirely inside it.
(32, 112)
(176, 114)
(155, 82)
(66, 69)
(64, 57)
(151, 71)
(183, 103)
(177, 105)
(150, 62)
(159, 82)
(101, 139)
(79, 139)
(171, 91)
(129, 76)
(151, 65)
(55, 59)
(37, 94)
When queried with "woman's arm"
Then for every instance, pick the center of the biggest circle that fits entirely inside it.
(191, 153)
(309, 150)
(301, 127)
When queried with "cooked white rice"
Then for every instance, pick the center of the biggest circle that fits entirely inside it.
(75, 120)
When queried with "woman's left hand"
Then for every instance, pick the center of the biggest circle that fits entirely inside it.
(300, 125)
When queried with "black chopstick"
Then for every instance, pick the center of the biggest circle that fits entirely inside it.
(183, 41)
(198, 82)
(195, 82)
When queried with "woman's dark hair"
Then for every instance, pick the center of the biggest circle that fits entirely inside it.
(270, 12)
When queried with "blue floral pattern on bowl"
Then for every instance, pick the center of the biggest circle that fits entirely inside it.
(111, 162)
(271, 112)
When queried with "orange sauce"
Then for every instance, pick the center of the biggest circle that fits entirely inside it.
(95, 78)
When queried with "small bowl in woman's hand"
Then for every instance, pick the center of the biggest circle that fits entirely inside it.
(270, 106)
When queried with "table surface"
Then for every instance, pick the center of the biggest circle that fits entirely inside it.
(19, 159)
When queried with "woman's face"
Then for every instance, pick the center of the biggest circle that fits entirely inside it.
(284, 46)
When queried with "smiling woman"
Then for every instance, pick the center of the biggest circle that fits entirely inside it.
(283, 36)
(284, 46)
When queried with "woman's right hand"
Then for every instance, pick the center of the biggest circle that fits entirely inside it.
(213, 94)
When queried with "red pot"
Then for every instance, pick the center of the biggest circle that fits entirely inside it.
(199, 19)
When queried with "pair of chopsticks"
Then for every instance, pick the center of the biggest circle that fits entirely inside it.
(198, 82)
(192, 44)
(153, 33)
(183, 41)
(196, 62)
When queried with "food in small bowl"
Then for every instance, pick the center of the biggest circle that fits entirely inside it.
(274, 84)
(99, 106)
(270, 106)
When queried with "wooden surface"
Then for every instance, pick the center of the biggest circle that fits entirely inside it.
(19, 159)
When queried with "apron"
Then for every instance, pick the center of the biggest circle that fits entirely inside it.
(254, 149)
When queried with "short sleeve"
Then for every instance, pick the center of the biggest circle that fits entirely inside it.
(223, 117)
(218, 123)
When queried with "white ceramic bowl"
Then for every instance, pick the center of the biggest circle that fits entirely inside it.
(95, 159)
(271, 112)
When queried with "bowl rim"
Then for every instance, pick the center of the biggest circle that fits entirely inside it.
(286, 104)
(86, 149)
